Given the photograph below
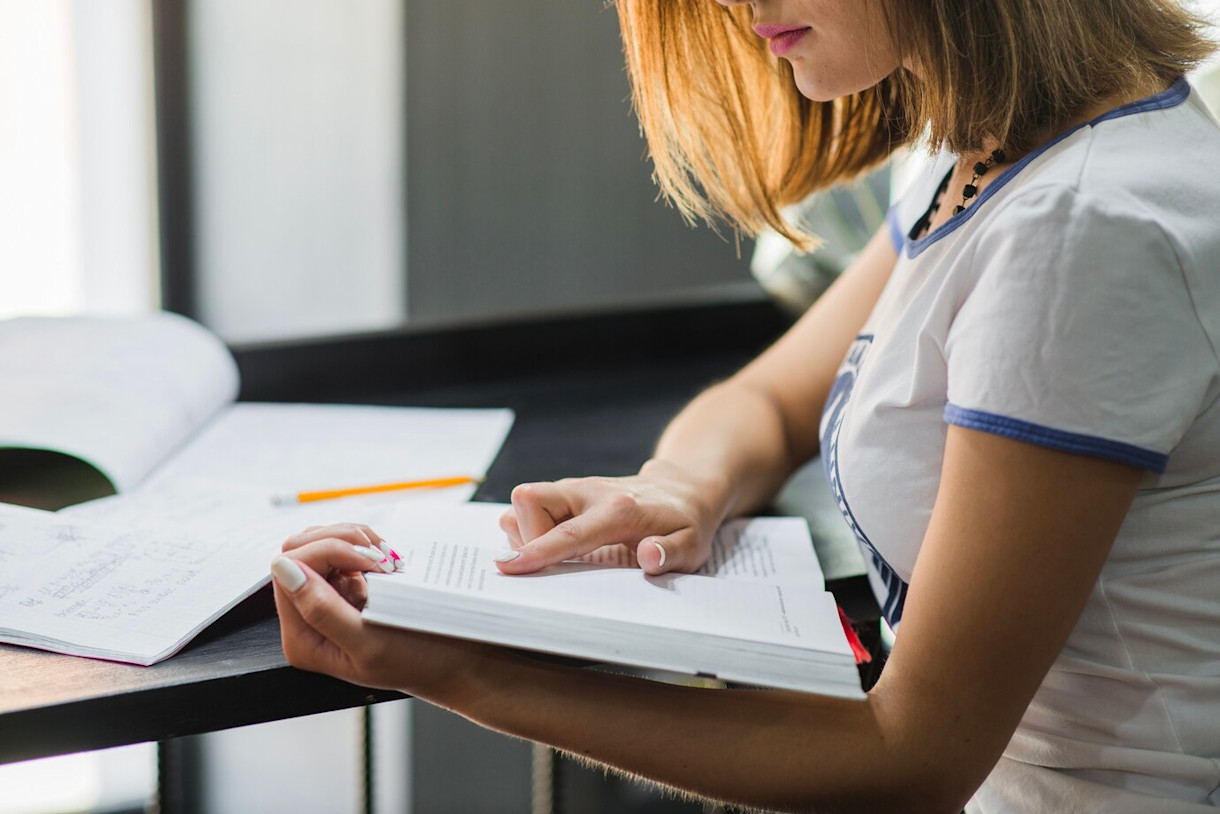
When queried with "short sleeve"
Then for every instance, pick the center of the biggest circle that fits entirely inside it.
(893, 226)
(1077, 333)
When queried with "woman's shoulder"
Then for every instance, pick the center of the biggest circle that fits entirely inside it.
(1155, 162)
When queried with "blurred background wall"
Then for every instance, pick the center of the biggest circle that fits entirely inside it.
(355, 165)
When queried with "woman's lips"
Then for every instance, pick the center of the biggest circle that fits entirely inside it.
(783, 37)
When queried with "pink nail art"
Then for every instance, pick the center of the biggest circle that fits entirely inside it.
(399, 563)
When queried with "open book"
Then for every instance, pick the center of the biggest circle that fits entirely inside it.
(149, 403)
(757, 613)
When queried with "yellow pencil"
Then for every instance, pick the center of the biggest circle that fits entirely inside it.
(330, 494)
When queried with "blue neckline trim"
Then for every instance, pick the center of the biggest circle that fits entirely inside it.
(1061, 440)
(1174, 95)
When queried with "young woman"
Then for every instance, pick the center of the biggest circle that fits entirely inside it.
(1015, 392)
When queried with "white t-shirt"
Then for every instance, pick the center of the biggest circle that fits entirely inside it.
(1075, 305)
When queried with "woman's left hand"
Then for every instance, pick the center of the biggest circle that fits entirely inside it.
(319, 591)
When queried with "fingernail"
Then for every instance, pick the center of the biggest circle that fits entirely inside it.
(508, 556)
(660, 548)
(392, 555)
(368, 552)
(288, 574)
(386, 566)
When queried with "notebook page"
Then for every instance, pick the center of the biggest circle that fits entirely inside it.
(268, 449)
(213, 509)
(120, 593)
(225, 478)
(121, 394)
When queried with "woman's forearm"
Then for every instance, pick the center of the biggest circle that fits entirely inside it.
(768, 749)
(733, 439)
(747, 435)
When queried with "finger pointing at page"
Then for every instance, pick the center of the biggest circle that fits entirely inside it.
(508, 524)
(572, 538)
(618, 520)
(661, 514)
(539, 507)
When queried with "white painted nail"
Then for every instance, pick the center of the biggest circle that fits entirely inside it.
(660, 548)
(288, 574)
(508, 556)
(386, 550)
(368, 552)
(386, 566)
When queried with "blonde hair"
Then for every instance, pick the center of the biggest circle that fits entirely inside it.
(731, 138)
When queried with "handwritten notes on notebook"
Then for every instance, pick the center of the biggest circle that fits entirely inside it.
(135, 576)
(116, 593)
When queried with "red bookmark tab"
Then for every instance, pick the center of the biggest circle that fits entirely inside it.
(857, 647)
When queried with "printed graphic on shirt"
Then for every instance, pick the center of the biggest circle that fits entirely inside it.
(881, 575)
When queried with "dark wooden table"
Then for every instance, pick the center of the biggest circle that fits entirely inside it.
(591, 395)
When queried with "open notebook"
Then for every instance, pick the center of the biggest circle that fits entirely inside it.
(149, 402)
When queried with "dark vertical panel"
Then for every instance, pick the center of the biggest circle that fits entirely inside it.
(368, 777)
(171, 78)
(527, 185)
(179, 776)
(405, 63)
(458, 767)
(180, 760)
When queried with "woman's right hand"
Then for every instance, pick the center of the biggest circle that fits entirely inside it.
(665, 514)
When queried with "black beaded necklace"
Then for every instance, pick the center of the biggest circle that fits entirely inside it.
(980, 169)
(969, 191)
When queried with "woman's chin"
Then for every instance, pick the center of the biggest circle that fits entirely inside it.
(813, 90)
(819, 90)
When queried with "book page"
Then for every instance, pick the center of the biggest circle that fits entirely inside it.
(452, 551)
(121, 394)
(764, 549)
(743, 549)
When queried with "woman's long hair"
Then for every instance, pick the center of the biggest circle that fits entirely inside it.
(731, 138)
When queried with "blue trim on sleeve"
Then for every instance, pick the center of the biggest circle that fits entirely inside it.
(1174, 95)
(1063, 441)
(896, 235)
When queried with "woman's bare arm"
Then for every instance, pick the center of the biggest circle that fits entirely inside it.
(761, 424)
(727, 453)
(1016, 541)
